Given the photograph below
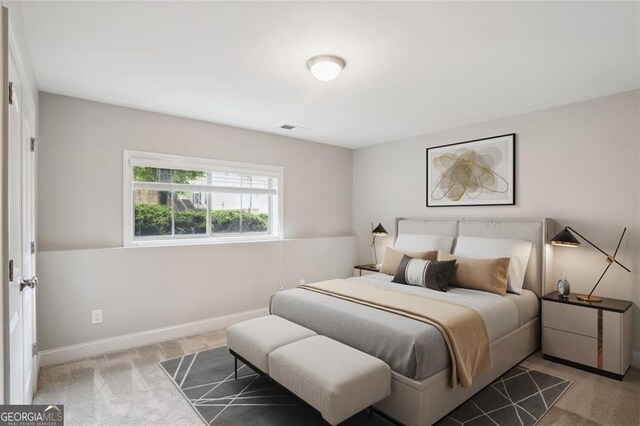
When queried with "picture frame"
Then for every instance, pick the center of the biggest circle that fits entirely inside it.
(478, 172)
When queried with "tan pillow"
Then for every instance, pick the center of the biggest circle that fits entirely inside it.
(479, 274)
(392, 257)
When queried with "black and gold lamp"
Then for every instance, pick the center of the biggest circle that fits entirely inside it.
(565, 238)
(378, 231)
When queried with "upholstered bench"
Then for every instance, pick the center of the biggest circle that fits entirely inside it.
(255, 339)
(335, 379)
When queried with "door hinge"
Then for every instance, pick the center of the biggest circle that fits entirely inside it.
(33, 247)
(34, 141)
(34, 348)
(11, 270)
(10, 93)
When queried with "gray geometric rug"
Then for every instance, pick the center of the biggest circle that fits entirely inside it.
(206, 380)
(520, 397)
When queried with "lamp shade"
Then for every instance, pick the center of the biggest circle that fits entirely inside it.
(379, 231)
(565, 238)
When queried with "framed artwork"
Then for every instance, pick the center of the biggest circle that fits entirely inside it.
(481, 172)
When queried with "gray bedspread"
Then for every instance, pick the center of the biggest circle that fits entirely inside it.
(412, 348)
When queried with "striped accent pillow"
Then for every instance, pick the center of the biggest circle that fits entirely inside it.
(424, 273)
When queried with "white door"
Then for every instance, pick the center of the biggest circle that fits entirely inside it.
(28, 251)
(21, 233)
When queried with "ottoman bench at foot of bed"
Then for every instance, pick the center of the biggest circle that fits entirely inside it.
(255, 339)
(335, 379)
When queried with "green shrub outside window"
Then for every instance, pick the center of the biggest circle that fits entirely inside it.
(155, 220)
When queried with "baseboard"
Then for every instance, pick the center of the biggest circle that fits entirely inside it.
(635, 359)
(128, 341)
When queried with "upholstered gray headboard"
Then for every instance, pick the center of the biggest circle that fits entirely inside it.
(534, 230)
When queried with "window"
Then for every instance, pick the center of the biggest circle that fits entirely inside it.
(169, 198)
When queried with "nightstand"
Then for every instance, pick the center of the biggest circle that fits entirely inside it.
(591, 336)
(366, 268)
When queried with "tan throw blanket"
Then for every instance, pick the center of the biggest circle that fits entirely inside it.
(463, 328)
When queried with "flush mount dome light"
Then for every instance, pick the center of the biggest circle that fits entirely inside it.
(325, 67)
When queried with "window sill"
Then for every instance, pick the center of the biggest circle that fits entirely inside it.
(202, 241)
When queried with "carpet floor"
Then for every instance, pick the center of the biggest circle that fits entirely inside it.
(206, 379)
(129, 388)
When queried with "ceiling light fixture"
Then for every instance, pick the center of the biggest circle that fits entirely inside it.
(325, 67)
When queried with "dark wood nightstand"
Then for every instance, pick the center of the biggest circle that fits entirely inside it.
(366, 268)
(591, 336)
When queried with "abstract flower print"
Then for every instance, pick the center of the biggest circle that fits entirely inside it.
(468, 172)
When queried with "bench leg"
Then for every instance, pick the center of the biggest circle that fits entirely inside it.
(235, 362)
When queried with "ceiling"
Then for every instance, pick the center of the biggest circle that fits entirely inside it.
(412, 68)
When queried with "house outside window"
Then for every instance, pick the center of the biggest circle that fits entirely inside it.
(173, 199)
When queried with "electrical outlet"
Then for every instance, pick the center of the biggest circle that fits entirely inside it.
(302, 282)
(96, 316)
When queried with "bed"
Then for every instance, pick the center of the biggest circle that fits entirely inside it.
(416, 351)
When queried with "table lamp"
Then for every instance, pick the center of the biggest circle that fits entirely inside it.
(565, 238)
(378, 231)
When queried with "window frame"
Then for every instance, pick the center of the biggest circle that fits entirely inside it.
(133, 158)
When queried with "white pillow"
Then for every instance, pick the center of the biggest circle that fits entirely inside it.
(423, 242)
(485, 248)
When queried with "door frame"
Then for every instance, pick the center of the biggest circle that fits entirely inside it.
(9, 46)
(4, 205)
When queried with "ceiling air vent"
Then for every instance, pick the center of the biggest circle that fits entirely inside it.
(287, 127)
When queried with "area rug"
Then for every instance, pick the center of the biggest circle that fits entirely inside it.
(206, 379)
(520, 397)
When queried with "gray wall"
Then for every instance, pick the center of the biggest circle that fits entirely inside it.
(577, 164)
(80, 170)
(83, 266)
(147, 288)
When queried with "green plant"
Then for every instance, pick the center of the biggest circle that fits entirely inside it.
(155, 219)
(152, 219)
(152, 174)
(228, 221)
(191, 222)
